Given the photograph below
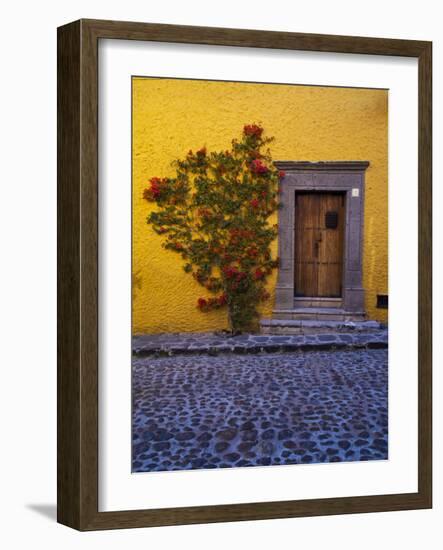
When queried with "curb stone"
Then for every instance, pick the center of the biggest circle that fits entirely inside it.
(198, 344)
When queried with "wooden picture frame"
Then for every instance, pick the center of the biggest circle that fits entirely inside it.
(78, 275)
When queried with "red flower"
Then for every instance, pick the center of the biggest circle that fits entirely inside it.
(259, 274)
(154, 190)
(230, 271)
(257, 167)
(202, 303)
(254, 203)
(201, 152)
(222, 300)
(252, 130)
(281, 174)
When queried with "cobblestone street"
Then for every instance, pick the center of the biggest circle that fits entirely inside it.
(231, 410)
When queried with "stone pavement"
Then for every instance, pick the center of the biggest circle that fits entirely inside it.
(198, 411)
(326, 339)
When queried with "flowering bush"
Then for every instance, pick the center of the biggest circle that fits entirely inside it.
(214, 213)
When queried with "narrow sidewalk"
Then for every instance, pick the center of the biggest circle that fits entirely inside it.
(214, 343)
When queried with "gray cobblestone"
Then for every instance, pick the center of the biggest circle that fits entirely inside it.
(198, 411)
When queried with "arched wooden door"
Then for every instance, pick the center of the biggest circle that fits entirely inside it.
(319, 230)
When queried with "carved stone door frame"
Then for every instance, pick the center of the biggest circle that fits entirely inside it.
(339, 176)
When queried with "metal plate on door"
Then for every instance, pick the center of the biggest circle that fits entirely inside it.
(331, 220)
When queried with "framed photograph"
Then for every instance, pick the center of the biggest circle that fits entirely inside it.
(244, 274)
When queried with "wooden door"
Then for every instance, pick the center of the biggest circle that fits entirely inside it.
(319, 229)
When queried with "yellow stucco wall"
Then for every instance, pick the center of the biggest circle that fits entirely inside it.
(308, 122)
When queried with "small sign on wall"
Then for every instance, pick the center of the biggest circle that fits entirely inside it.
(355, 192)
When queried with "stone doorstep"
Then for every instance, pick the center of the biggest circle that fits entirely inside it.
(318, 314)
(335, 303)
(300, 326)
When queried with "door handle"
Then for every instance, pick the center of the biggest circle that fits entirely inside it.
(317, 242)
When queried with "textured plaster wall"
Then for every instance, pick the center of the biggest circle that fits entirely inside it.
(308, 122)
